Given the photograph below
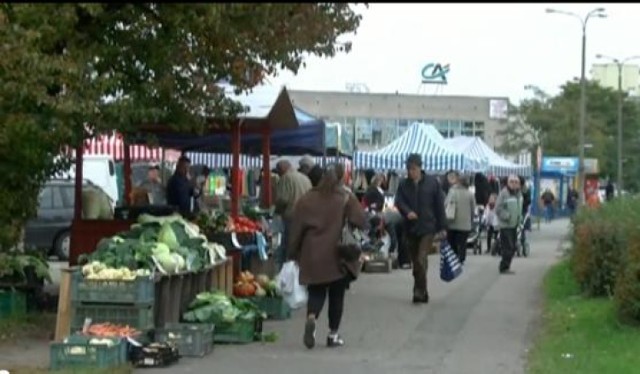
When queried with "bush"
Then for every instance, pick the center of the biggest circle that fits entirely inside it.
(600, 238)
(627, 287)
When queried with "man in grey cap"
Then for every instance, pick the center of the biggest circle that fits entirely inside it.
(309, 168)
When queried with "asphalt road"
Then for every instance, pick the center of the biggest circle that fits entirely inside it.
(482, 322)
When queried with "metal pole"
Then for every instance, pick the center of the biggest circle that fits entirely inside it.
(583, 116)
(620, 103)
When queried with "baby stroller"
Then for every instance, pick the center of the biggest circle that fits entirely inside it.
(474, 240)
(522, 244)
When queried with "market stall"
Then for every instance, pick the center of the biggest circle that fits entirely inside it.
(263, 114)
(497, 165)
(425, 140)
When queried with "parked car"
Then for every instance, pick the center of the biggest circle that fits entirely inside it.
(50, 230)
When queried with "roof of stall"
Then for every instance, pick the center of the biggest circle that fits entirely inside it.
(498, 165)
(263, 107)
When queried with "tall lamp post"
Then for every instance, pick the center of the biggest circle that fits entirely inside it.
(543, 96)
(600, 13)
(620, 64)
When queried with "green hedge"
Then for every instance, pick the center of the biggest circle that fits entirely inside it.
(605, 256)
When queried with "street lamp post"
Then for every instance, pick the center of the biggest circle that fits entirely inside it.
(543, 96)
(620, 64)
(598, 12)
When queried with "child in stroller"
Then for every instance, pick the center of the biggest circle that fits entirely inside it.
(491, 223)
(474, 238)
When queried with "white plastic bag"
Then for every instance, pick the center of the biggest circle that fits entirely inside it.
(289, 286)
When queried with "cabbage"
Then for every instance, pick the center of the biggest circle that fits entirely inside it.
(147, 218)
(168, 237)
(180, 261)
(168, 262)
(160, 248)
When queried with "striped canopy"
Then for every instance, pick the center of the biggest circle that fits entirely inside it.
(498, 165)
(113, 145)
(425, 140)
(225, 160)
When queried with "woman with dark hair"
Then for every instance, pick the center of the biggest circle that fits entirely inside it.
(318, 219)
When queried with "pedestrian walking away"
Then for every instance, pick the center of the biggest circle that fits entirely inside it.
(509, 212)
(291, 186)
(420, 200)
(316, 231)
(460, 206)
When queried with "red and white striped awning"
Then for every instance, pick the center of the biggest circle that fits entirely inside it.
(113, 146)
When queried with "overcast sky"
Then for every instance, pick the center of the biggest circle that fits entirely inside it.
(492, 49)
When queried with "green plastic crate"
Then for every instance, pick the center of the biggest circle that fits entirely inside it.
(275, 307)
(138, 317)
(192, 339)
(239, 332)
(76, 352)
(12, 303)
(138, 291)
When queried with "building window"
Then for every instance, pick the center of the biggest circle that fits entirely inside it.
(479, 126)
(468, 125)
(403, 125)
(376, 131)
(467, 133)
(363, 131)
(480, 134)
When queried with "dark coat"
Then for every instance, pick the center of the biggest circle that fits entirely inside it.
(179, 193)
(316, 230)
(373, 196)
(425, 199)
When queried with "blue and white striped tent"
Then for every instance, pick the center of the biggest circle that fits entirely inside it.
(498, 165)
(425, 140)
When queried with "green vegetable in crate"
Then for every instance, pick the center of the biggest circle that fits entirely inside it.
(167, 236)
(216, 307)
(98, 271)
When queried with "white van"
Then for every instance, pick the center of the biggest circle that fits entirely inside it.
(99, 170)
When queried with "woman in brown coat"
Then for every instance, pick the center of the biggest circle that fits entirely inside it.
(316, 231)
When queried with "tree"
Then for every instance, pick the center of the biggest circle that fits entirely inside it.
(553, 122)
(71, 71)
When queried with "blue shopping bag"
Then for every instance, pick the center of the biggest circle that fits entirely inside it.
(450, 267)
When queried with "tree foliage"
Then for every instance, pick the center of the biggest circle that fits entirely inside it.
(70, 71)
(553, 122)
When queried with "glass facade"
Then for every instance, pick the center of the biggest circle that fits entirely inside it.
(378, 132)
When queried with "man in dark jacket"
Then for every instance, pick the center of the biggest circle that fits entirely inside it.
(179, 187)
(421, 202)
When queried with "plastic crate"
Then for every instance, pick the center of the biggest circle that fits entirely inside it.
(138, 317)
(275, 307)
(239, 332)
(138, 291)
(78, 353)
(192, 339)
(12, 303)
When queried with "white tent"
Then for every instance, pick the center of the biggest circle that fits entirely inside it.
(498, 165)
(425, 140)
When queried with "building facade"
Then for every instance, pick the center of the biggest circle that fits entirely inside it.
(374, 120)
(607, 76)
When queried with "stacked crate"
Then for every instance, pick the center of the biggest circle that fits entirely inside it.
(121, 302)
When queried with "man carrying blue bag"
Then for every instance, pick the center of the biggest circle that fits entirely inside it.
(420, 201)
(450, 266)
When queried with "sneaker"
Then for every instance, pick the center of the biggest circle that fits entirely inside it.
(334, 341)
(310, 333)
(507, 272)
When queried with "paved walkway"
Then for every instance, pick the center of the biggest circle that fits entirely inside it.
(482, 322)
